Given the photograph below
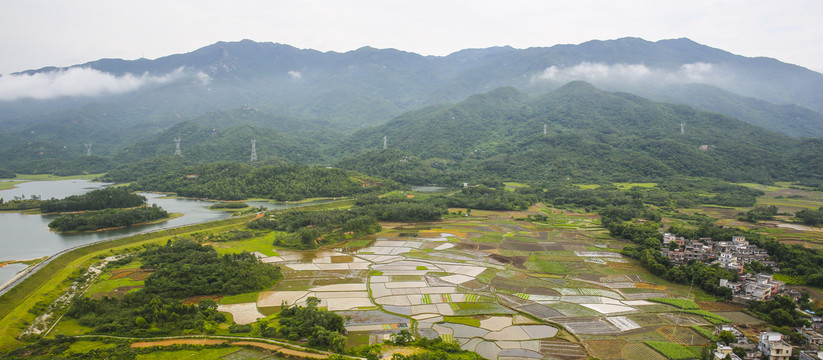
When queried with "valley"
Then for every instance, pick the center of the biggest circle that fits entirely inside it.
(619, 199)
(494, 282)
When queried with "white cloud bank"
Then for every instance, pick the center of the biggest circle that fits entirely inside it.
(76, 82)
(631, 74)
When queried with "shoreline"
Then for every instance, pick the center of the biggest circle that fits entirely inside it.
(171, 216)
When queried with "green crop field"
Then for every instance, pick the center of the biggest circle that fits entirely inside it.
(672, 351)
(679, 303)
(239, 299)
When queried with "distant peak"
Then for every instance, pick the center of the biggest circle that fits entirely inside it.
(577, 86)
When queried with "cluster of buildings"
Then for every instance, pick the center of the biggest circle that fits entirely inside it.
(753, 287)
(731, 255)
(770, 345)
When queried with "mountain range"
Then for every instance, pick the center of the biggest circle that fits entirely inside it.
(326, 105)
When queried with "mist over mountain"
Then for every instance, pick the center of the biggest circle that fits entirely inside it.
(589, 133)
(48, 115)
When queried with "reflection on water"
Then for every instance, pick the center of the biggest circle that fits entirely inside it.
(8, 271)
(28, 236)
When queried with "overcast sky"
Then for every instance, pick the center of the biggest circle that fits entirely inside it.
(38, 33)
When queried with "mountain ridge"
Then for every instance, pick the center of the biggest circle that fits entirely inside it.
(349, 91)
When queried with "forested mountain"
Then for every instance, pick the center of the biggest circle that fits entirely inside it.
(321, 95)
(208, 141)
(589, 134)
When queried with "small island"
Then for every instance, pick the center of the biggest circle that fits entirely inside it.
(98, 209)
(109, 218)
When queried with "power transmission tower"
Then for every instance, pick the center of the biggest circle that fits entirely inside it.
(253, 150)
(544, 129)
(88, 149)
(384, 143)
(177, 147)
(682, 128)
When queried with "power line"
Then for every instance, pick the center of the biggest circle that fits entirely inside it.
(253, 150)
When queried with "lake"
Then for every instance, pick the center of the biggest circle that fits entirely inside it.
(25, 237)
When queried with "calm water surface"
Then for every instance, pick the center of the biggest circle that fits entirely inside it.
(28, 236)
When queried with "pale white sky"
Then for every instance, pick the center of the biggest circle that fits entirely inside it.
(38, 33)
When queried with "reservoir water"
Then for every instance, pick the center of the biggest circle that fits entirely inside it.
(28, 236)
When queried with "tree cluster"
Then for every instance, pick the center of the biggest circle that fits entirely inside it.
(308, 229)
(320, 328)
(109, 218)
(141, 314)
(811, 217)
(759, 213)
(94, 200)
(486, 198)
(237, 181)
(184, 268)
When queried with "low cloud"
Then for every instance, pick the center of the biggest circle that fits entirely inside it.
(204, 78)
(630, 74)
(295, 75)
(77, 82)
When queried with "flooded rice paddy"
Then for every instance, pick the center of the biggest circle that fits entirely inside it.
(494, 287)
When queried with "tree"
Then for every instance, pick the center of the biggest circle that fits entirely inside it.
(207, 304)
(781, 317)
(402, 338)
(739, 351)
(727, 337)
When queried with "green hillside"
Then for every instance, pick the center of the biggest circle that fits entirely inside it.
(589, 134)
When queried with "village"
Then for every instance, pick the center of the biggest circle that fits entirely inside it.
(734, 255)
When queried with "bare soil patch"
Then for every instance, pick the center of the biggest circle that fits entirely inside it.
(606, 349)
(196, 299)
(517, 261)
(719, 306)
(282, 350)
(521, 246)
(538, 290)
(134, 274)
(116, 293)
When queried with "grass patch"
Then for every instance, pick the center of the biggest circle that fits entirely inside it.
(789, 279)
(50, 282)
(50, 177)
(479, 308)
(624, 186)
(5, 185)
(465, 320)
(672, 351)
(239, 298)
(69, 327)
(709, 316)
(81, 346)
(204, 354)
(512, 186)
(547, 267)
(105, 286)
(706, 333)
(262, 244)
(358, 243)
(678, 303)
